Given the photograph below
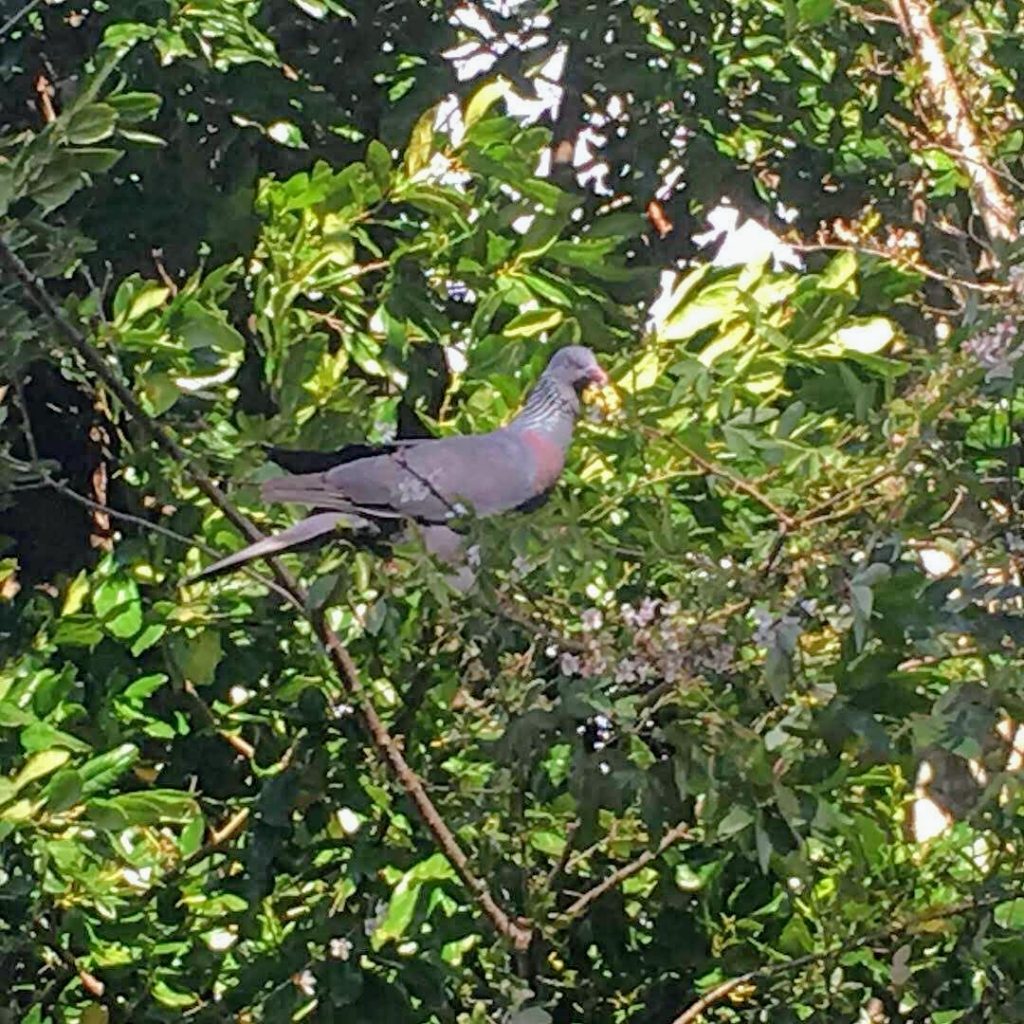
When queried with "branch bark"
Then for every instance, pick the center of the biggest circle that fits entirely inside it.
(518, 932)
(719, 992)
(616, 878)
(958, 130)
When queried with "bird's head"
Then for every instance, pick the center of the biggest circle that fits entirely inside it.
(576, 367)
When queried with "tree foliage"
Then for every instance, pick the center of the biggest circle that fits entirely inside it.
(683, 726)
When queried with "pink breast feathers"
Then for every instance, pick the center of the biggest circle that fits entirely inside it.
(548, 458)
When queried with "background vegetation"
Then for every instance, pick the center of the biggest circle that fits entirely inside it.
(728, 727)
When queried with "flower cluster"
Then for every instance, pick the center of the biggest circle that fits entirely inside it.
(662, 645)
(995, 351)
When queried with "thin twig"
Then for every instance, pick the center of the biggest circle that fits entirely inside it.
(737, 482)
(556, 872)
(50, 481)
(517, 932)
(218, 837)
(18, 15)
(912, 266)
(616, 878)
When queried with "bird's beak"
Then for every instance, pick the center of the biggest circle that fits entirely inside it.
(596, 381)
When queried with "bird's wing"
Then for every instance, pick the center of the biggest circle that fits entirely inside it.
(431, 481)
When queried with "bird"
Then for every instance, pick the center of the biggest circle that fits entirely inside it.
(427, 483)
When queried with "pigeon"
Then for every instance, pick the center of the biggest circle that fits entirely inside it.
(426, 483)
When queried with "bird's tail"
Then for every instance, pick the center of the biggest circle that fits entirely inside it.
(294, 536)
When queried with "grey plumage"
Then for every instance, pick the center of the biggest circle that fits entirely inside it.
(432, 481)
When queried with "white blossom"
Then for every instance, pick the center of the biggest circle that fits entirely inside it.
(569, 664)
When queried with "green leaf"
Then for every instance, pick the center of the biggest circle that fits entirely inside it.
(405, 895)
(532, 322)
(191, 838)
(133, 107)
(91, 124)
(203, 329)
(144, 687)
(815, 12)
(796, 937)
(548, 841)
(642, 374)
(142, 138)
(421, 143)
(840, 273)
(737, 819)
(64, 790)
(148, 297)
(153, 807)
(41, 736)
(687, 879)
(198, 657)
(378, 159)
(867, 336)
(40, 765)
(483, 99)
(1010, 915)
(101, 772)
(116, 602)
(174, 998)
(160, 393)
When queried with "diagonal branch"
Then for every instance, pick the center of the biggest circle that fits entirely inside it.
(994, 206)
(737, 482)
(518, 932)
(616, 878)
(694, 1011)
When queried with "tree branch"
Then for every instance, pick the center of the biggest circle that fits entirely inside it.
(904, 260)
(719, 992)
(737, 482)
(616, 878)
(517, 932)
(994, 206)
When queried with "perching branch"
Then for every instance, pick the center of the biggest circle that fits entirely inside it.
(719, 992)
(955, 123)
(517, 932)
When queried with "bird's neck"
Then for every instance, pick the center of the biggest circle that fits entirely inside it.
(551, 409)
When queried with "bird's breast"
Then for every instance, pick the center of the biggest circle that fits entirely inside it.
(548, 458)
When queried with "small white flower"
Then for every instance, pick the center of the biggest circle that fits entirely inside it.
(568, 664)
(993, 350)
(305, 982)
(340, 949)
(648, 609)
(591, 620)
(627, 671)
